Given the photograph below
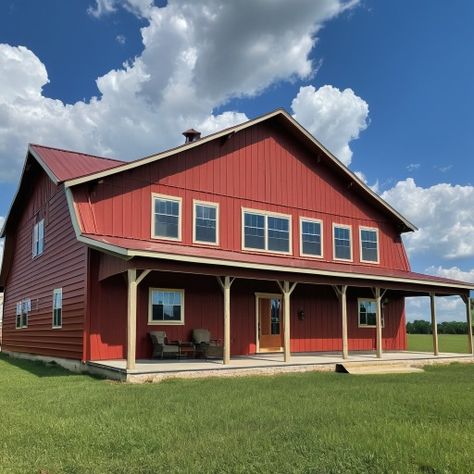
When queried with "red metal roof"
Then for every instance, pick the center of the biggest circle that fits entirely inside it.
(303, 264)
(64, 164)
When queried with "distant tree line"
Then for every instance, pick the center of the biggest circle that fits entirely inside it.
(447, 327)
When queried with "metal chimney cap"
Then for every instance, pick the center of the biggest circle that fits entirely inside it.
(192, 135)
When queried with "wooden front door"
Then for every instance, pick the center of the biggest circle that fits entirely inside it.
(269, 322)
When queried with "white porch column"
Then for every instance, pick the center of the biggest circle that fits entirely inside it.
(341, 293)
(378, 321)
(131, 318)
(286, 290)
(434, 325)
(133, 283)
(466, 300)
(225, 285)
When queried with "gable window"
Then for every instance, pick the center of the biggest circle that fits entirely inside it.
(368, 313)
(369, 246)
(206, 222)
(311, 237)
(38, 238)
(342, 242)
(166, 217)
(166, 306)
(22, 310)
(57, 308)
(266, 231)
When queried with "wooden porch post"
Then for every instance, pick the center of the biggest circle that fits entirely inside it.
(466, 300)
(131, 318)
(434, 325)
(225, 285)
(378, 322)
(286, 290)
(342, 296)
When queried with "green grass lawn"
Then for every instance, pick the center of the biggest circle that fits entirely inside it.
(447, 343)
(53, 421)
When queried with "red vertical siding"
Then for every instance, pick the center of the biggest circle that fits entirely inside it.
(62, 265)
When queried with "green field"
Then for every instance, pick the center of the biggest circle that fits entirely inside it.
(53, 421)
(447, 342)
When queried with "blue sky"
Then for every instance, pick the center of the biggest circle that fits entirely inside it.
(387, 86)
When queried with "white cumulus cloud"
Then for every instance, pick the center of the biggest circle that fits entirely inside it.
(333, 116)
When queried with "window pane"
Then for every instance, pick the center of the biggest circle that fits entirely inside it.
(278, 234)
(369, 245)
(206, 223)
(254, 231)
(342, 243)
(367, 313)
(311, 238)
(166, 218)
(166, 306)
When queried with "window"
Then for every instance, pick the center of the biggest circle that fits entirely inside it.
(166, 217)
(369, 248)
(342, 242)
(57, 308)
(22, 310)
(368, 313)
(38, 238)
(206, 222)
(311, 237)
(166, 306)
(267, 232)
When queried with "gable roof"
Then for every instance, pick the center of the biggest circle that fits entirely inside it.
(290, 124)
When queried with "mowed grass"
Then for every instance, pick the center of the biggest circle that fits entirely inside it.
(53, 421)
(457, 343)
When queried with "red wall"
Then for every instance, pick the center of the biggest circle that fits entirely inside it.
(260, 168)
(319, 331)
(62, 265)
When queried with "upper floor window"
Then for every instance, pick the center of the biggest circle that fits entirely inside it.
(166, 217)
(369, 246)
(206, 222)
(266, 231)
(57, 308)
(38, 238)
(368, 313)
(311, 237)
(166, 306)
(342, 235)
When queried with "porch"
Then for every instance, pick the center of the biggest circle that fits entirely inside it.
(149, 370)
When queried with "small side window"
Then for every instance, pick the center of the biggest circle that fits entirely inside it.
(57, 308)
(38, 238)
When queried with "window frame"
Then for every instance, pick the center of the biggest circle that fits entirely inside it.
(266, 215)
(313, 220)
(152, 322)
(362, 326)
(167, 197)
(55, 292)
(39, 223)
(215, 205)
(376, 230)
(25, 310)
(342, 226)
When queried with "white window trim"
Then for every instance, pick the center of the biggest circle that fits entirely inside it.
(22, 303)
(362, 326)
(55, 292)
(267, 214)
(180, 216)
(36, 238)
(150, 309)
(197, 202)
(373, 262)
(342, 226)
(318, 221)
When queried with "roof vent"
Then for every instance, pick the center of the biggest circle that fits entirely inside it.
(191, 135)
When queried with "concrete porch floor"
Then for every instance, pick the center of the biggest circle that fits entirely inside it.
(260, 364)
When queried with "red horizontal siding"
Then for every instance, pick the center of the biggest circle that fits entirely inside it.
(62, 265)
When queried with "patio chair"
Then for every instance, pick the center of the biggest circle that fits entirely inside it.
(161, 348)
(207, 347)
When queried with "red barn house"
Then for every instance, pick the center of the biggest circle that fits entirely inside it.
(256, 233)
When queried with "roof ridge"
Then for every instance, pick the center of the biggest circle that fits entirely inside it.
(77, 153)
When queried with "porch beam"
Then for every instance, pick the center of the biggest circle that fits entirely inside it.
(467, 301)
(286, 290)
(434, 325)
(225, 284)
(142, 275)
(378, 321)
(131, 318)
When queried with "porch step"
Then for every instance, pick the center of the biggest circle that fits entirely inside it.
(373, 368)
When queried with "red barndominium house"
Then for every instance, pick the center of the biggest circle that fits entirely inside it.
(257, 234)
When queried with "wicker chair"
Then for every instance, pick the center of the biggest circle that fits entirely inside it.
(160, 346)
(207, 347)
